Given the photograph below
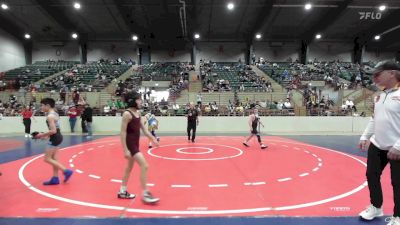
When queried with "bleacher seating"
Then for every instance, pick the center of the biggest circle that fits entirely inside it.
(288, 73)
(162, 71)
(175, 72)
(226, 76)
(87, 77)
(37, 71)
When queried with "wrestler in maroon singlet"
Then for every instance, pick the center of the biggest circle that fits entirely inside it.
(133, 134)
(130, 135)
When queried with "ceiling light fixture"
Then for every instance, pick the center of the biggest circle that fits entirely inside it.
(77, 5)
(230, 6)
(4, 6)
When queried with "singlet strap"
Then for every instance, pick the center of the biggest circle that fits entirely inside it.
(133, 115)
(129, 112)
(55, 114)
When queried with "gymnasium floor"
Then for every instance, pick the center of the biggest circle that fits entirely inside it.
(299, 179)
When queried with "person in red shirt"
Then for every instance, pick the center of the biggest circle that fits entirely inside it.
(72, 113)
(27, 114)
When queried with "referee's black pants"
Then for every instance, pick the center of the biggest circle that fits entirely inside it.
(377, 161)
(191, 126)
(27, 123)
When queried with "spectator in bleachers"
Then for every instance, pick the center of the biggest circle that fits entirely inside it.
(287, 104)
(120, 104)
(214, 108)
(210, 87)
(63, 93)
(13, 100)
(113, 106)
(106, 110)
(350, 105)
(207, 108)
(175, 107)
(64, 109)
(75, 96)
(38, 72)
(2, 108)
(231, 108)
(242, 87)
(3, 85)
(82, 100)
(280, 105)
(199, 98)
(59, 103)
(289, 94)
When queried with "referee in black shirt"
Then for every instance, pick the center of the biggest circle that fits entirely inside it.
(193, 121)
(87, 119)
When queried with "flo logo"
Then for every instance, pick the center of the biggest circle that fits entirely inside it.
(340, 209)
(370, 15)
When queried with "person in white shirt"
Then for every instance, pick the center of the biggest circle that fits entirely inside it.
(350, 105)
(280, 105)
(383, 132)
(287, 104)
(106, 109)
(199, 98)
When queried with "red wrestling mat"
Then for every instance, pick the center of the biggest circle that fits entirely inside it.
(6, 145)
(214, 176)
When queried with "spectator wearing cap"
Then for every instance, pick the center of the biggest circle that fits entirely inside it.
(383, 133)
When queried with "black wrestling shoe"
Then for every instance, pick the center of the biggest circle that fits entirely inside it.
(126, 195)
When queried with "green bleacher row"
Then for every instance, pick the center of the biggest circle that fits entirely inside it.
(91, 70)
(46, 69)
(232, 75)
(165, 68)
(49, 68)
(163, 71)
(345, 74)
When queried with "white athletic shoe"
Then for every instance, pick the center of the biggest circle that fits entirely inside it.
(371, 212)
(393, 220)
(148, 198)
